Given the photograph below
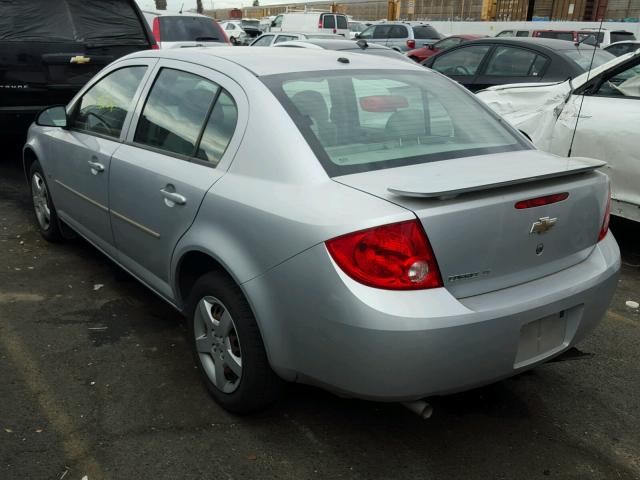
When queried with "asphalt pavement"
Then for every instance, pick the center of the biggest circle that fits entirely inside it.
(96, 381)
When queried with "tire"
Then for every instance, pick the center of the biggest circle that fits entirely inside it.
(223, 330)
(43, 208)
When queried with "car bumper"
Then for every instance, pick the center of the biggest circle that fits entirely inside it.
(321, 327)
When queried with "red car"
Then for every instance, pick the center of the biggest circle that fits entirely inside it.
(422, 53)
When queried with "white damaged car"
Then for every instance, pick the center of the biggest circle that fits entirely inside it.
(605, 102)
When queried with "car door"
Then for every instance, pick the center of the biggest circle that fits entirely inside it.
(607, 129)
(508, 64)
(460, 63)
(174, 152)
(397, 38)
(81, 155)
(379, 34)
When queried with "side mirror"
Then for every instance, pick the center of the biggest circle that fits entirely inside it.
(357, 35)
(55, 116)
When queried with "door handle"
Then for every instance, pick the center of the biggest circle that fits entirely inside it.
(96, 167)
(171, 198)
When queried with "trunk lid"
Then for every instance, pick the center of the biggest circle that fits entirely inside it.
(467, 207)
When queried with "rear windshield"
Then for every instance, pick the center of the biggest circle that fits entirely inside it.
(362, 120)
(425, 32)
(583, 57)
(94, 22)
(557, 35)
(620, 36)
(255, 24)
(188, 29)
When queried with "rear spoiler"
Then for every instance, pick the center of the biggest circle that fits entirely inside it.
(465, 182)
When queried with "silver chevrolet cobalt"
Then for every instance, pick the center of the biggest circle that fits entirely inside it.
(328, 218)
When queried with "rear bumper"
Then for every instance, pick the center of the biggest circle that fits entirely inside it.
(323, 328)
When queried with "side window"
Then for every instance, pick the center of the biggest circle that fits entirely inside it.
(219, 130)
(462, 61)
(230, 26)
(448, 43)
(284, 38)
(381, 31)
(328, 21)
(515, 62)
(277, 22)
(104, 106)
(505, 33)
(622, 84)
(398, 31)
(522, 33)
(175, 112)
(367, 32)
(341, 21)
(263, 41)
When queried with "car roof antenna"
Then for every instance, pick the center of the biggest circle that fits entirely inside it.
(593, 56)
(181, 8)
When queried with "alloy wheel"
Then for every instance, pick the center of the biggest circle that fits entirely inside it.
(41, 201)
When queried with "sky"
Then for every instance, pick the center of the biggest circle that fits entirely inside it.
(174, 5)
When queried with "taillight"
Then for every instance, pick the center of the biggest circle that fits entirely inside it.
(540, 201)
(320, 22)
(155, 46)
(156, 29)
(397, 256)
(411, 44)
(607, 215)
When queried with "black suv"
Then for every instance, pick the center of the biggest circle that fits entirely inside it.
(50, 48)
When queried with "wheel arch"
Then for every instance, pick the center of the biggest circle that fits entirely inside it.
(29, 156)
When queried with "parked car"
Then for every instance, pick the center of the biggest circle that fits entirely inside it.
(601, 37)
(515, 32)
(428, 50)
(340, 246)
(357, 27)
(235, 32)
(607, 103)
(360, 46)
(401, 36)
(620, 48)
(46, 58)
(270, 39)
(486, 62)
(311, 21)
(179, 30)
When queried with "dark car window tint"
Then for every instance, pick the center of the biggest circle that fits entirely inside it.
(557, 35)
(185, 29)
(328, 21)
(104, 106)
(514, 62)
(461, 62)
(619, 36)
(425, 32)
(522, 33)
(381, 31)
(284, 38)
(342, 22)
(263, 41)
(175, 111)
(398, 31)
(219, 130)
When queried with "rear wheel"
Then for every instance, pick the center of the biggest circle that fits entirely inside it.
(43, 208)
(228, 348)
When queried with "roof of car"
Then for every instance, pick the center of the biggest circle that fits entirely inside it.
(549, 43)
(164, 13)
(273, 61)
(337, 44)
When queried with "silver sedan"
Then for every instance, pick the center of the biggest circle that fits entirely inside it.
(327, 218)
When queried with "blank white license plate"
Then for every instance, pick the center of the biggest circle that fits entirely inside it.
(541, 338)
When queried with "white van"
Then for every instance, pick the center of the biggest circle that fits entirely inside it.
(311, 22)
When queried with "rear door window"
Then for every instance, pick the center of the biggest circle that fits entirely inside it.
(381, 31)
(328, 21)
(188, 29)
(342, 23)
(398, 31)
(463, 61)
(104, 107)
(175, 112)
(515, 62)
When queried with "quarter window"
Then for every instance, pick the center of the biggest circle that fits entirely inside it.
(461, 62)
(104, 106)
(515, 62)
(175, 112)
(219, 130)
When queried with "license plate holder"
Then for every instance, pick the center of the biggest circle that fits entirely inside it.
(541, 338)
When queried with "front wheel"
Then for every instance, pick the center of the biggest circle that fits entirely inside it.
(228, 348)
(45, 211)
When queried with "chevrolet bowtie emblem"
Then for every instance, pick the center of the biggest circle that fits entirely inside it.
(80, 59)
(543, 225)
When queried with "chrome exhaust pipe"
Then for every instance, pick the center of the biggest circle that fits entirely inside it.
(420, 408)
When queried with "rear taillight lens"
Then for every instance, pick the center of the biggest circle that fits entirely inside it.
(607, 215)
(411, 43)
(397, 256)
(156, 29)
(320, 23)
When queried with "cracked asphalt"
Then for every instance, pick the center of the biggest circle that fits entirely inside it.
(96, 380)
